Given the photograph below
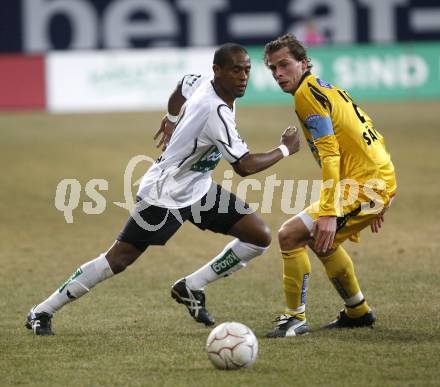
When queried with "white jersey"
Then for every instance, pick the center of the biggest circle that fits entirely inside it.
(204, 133)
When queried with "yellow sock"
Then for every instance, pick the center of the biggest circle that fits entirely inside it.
(340, 271)
(296, 274)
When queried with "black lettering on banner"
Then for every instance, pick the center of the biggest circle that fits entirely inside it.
(37, 26)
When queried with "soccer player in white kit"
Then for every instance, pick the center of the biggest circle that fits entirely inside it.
(197, 131)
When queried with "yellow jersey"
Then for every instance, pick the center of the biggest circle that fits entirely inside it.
(345, 144)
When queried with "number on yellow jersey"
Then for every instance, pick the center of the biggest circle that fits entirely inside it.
(370, 135)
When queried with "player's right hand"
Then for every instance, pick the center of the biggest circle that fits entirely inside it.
(290, 138)
(165, 131)
(323, 231)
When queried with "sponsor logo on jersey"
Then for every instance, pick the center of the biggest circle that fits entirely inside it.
(312, 119)
(192, 78)
(324, 83)
(226, 262)
(208, 161)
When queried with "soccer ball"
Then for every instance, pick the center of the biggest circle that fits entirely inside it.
(231, 346)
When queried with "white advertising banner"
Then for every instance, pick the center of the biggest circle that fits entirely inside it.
(119, 80)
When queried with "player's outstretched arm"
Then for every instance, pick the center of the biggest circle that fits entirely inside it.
(175, 103)
(256, 162)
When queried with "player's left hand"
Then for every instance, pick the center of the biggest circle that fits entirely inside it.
(291, 139)
(165, 131)
(377, 223)
(323, 231)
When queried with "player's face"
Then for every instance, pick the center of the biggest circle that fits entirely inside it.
(286, 70)
(234, 76)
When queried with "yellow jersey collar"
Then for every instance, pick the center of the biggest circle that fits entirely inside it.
(304, 76)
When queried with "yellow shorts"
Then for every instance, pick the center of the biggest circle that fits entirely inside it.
(348, 226)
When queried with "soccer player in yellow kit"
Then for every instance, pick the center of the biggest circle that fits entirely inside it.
(358, 186)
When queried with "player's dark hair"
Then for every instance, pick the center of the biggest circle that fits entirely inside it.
(223, 54)
(296, 49)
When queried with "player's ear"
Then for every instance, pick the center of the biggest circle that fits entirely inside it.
(304, 64)
(216, 69)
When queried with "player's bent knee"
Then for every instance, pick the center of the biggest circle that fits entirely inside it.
(264, 237)
(251, 229)
(285, 238)
(293, 234)
(289, 240)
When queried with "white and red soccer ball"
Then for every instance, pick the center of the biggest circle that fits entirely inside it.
(231, 346)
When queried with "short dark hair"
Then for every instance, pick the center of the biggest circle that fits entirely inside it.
(223, 54)
(296, 49)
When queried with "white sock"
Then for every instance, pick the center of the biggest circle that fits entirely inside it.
(234, 256)
(85, 277)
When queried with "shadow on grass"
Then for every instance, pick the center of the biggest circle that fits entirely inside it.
(381, 335)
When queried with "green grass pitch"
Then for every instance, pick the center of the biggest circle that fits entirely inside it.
(129, 332)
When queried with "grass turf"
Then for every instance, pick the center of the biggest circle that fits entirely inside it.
(128, 331)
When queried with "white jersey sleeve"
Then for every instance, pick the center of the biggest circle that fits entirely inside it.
(190, 83)
(221, 129)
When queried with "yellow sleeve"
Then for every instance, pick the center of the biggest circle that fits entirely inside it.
(328, 149)
(314, 110)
